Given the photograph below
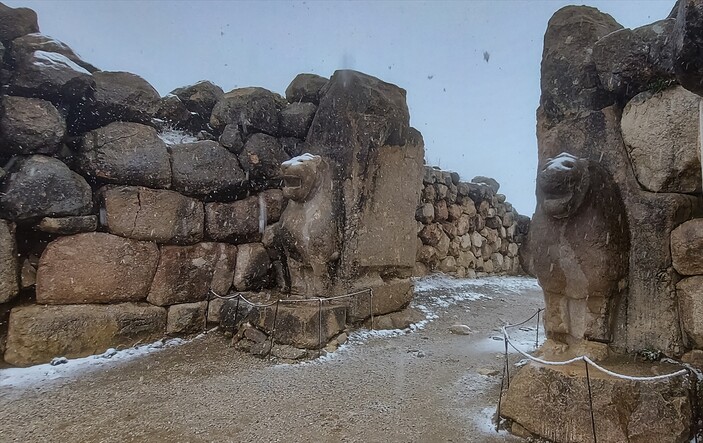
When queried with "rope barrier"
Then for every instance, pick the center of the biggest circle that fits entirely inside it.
(506, 338)
(292, 301)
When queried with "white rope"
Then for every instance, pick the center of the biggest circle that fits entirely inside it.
(291, 301)
(506, 337)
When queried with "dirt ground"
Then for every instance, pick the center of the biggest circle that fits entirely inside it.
(423, 386)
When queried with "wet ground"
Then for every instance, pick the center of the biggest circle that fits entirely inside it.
(424, 386)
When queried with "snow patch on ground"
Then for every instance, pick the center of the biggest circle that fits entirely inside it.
(40, 374)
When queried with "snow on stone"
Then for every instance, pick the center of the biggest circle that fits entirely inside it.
(176, 137)
(55, 60)
(562, 162)
(40, 374)
(299, 159)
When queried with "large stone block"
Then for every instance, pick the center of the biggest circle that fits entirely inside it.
(660, 131)
(186, 318)
(253, 109)
(688, 44)
(253, 264)
(687, 247)
(39, 333)
(261, 157)
(552, 402)
(388, 296)
(299, 324)
(236, 222)
(118, 96)
(186, 273)
(690, 295)
(31, 125)
(39, 186)
(23, 46)
(153, 215)
(125, 153)
(200, 98)
(9, 284)
(206, 169)
(305, 88)
(16, 22)
(95, 267)
(68, 225)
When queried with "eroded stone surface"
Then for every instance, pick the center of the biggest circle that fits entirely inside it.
(8, 262)
(39, 333)
(95, 267)
(186, 273)
(687, 247)
(153, 215)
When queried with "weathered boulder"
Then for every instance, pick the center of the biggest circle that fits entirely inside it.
(95, 267)
(173, 112)
(690, 296)
(425, 213)
(50, 76)
(186, 318)
(30, 126)
(253, 264)
(125, 153)
(688, 45)
(186, 273)
(624, 410)
(68, 225)
(231, 138)
(660, 131)
(358, 107)
(9, 284)
(236, 222)
(296, 119)
(488, 181)
(252, 109)
(567, 61)
(39, 333)
(207, 170)
(39, 186)
(630, 61)
(687, 247)
(200, 98)
(305, 88)
(262, 156)
(154, 215)
(25, 45)
(16, 22)
(274, 203)
(299, 324)
(118, 96)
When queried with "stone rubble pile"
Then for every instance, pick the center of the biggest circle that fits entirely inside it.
(466, 229)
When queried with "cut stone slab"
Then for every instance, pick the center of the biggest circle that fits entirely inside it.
(39, 333)
(186, 318)
(153, 215)
(236, 222)
(186, 273)
(9, 284)
(68, 225)
(687, 247)
(388, 296)
(690, 294)
(253, 264)
(660, 131)
(127, 154)
(95, 267)
(298, 324)
(40, 186)
(552, 402)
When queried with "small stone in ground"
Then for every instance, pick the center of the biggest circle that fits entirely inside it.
(460, 329)
(487, 372)
(58, 361)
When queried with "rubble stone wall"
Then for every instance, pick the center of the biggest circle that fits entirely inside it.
(466, 229)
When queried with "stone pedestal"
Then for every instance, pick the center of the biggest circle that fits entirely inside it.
(552, 402)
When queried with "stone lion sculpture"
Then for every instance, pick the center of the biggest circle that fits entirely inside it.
(578, 248)
(308, 227)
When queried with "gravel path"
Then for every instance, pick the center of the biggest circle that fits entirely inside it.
(423, 386)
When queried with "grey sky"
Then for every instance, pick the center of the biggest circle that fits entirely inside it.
(477, 117)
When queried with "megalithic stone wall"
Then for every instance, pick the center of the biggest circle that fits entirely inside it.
(467, 229)
(121, 209)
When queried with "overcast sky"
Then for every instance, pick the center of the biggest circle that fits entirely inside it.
(477, 117)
